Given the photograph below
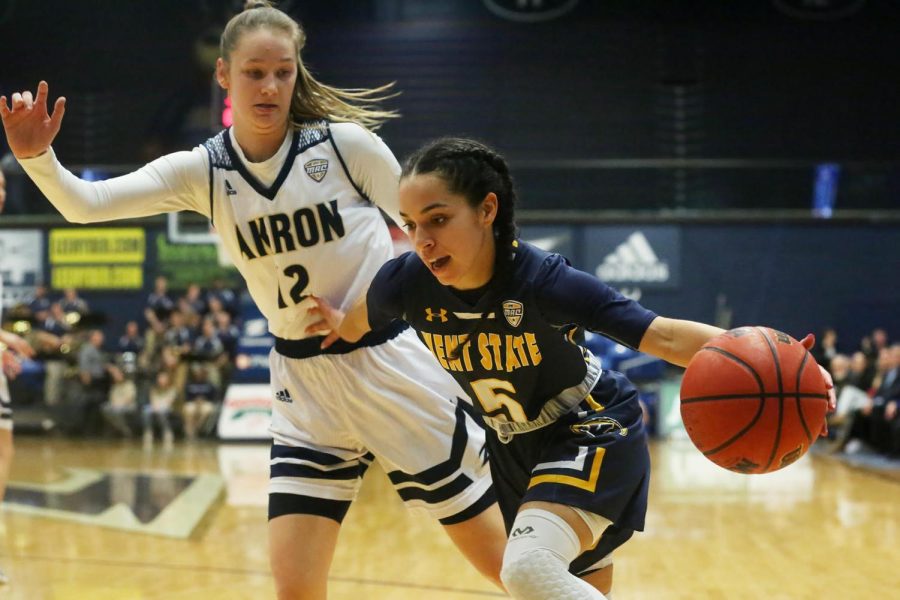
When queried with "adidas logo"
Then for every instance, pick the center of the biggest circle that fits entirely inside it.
(633, 260)
(230, 190)
(284, 396)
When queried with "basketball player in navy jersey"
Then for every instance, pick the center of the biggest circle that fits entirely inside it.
(567, 445)
(293, 188)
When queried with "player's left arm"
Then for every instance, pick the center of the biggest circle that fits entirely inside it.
(371, 164)
(676, 340)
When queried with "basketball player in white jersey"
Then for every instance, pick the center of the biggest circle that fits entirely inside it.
(10, 343)
(293, 188)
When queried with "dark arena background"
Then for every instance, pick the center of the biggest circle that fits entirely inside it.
(735, 163)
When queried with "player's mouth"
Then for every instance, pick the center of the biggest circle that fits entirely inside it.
(265, 107)
(437, 265)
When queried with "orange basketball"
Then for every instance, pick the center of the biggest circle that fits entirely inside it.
(753, 400)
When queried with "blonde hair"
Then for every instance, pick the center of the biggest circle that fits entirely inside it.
(312, 99)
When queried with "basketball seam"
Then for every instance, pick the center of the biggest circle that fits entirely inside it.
(774, 352)
(762, 400)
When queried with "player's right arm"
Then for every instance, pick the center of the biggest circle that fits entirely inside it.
(174, 182)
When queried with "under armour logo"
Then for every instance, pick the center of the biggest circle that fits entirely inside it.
(229, 190)
(430, 315)
(519, 531)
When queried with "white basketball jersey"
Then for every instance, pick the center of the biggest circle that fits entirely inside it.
(313, 231)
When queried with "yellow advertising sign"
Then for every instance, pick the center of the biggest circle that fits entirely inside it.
(100, 245)
(122, 277)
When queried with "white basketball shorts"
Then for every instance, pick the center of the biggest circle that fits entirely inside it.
(334, 413)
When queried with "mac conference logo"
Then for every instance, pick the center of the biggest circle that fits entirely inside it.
(317, 168)
(530, 11)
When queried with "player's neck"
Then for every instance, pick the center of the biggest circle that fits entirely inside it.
(258, 146)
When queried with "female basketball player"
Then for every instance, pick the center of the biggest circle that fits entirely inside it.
(568, 449)
(293, 188)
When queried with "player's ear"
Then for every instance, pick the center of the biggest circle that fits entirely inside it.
(489, 207)
(222, 72)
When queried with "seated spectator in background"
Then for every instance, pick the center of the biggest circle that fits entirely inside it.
(122, 404)
(163, 394)
(869, 424)
(159, 305)
(227, 299)
(209, 351)
(72, 303)
(199, 401)
(178, 335)
(826, 347)
(39, 304)
(131, 340)
(849, 399)
(193, 297)
(886, 422)
(862, 372)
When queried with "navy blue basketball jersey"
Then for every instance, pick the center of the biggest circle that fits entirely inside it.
(522, 356)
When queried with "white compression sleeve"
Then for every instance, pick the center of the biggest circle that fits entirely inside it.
(537, 557)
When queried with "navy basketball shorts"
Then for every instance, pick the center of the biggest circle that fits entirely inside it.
(594, 458)
(333, 414)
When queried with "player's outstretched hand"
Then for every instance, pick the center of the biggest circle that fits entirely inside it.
(30, 129)
(808, 342)
(329, 323)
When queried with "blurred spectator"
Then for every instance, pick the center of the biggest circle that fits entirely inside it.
(39, 303)
(227, 298)
(159, 305)
(162, 400)
(869, 425)
(72, 303)
(122, 404)
(199, 401)
(862, 371)
(194, 298)
(209, 351)
(826, 347)
(95, 373)
(178, 335)
(131, 340)
(885, 422)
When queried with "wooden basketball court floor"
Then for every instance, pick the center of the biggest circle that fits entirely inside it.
(106, 520)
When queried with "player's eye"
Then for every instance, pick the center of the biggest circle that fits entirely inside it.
(285, 73)
(254, 73)
(409, 226)
(439, 219)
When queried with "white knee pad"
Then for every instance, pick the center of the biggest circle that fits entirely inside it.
(537, 557)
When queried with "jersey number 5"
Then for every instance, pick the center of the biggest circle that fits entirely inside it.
(301, 279)
(492, 399)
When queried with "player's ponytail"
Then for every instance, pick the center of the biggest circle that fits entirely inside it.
(312, 100)
(473, 170)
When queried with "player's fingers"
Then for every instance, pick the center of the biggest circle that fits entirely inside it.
(317, 327)
(829, 387)
(59, 109)
(4, 107)
(42, 91)
(16, 100)
(28, 99)
(809, 341)
(329, 340)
